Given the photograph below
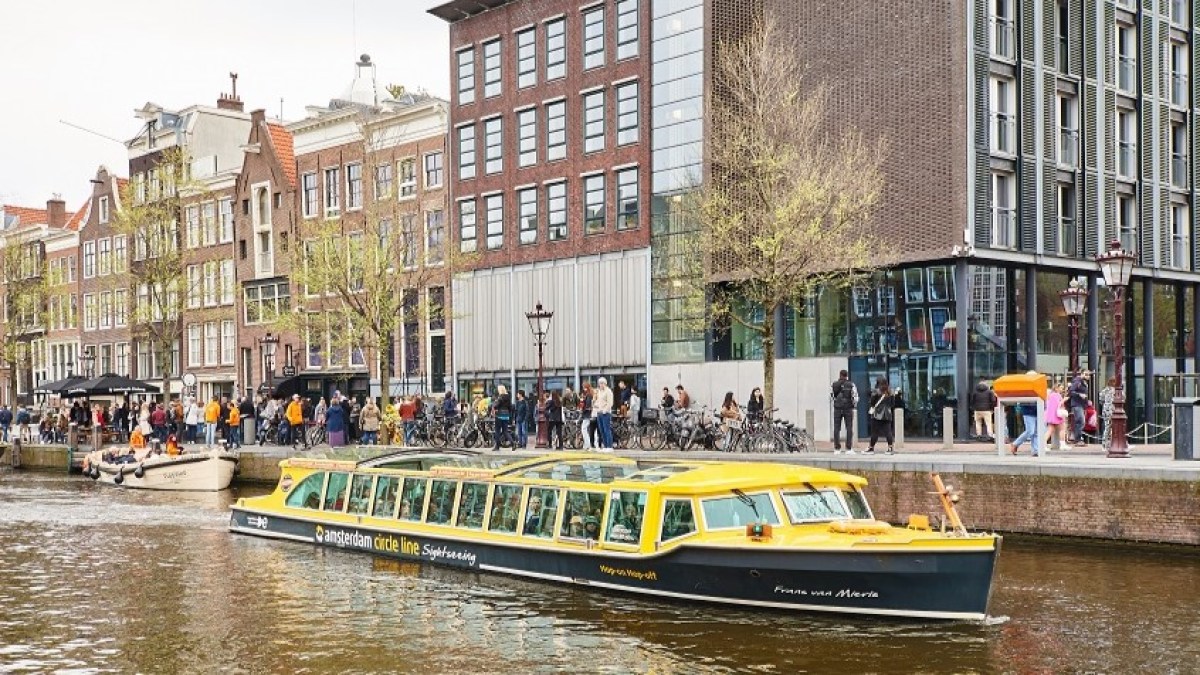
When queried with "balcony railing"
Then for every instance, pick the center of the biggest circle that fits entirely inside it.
(1068, 237)
(1179, 88)
(1179, 173)
(1129, 239)
(1004, 133)
(1178, 253)
(1004, 227)
(1127, 159)
(1127, 73)
(1003, 38)
(1068, 147)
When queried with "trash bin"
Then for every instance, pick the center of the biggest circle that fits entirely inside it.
(248, 431)
(1187, 428)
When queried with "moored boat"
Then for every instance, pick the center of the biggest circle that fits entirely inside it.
(210, 469)
(746, 534)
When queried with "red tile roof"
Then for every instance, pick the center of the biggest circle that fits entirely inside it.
(27, 216)
(77, 220)
(281, 140)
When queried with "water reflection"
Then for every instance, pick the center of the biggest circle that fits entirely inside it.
(100, 579)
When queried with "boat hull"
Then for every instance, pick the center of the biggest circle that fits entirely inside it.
(938, 584)
(208, 471)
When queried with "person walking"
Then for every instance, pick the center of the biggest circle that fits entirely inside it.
(369, 420)
(554, 417)
(602, 407)
(502, 413)
(1056, 415)
(983, 408)
(1028, 412)
(1106, 410)
(881, 406)
(845, 399)
(1077, 400)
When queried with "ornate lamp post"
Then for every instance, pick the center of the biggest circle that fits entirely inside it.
(268, 344)
(87, 363)
(539, 323)
(1074, 300)
(1117, 266)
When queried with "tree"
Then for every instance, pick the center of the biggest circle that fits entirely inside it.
(26, 290)
(151, 211)
(363, 278)
(786, 210)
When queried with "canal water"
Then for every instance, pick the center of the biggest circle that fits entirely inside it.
(98, 579)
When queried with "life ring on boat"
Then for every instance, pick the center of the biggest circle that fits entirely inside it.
(859, 527)
(139, 472)
(120, 477)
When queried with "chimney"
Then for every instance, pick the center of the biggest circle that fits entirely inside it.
(258, 116)
(231, 101)
(56, 211)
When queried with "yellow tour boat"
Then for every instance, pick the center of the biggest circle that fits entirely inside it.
(752, 535)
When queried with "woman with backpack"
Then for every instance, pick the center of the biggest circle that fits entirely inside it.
(880, 409)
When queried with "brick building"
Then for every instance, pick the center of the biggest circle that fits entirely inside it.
(104, 292)
(62, 305)
(549, 160)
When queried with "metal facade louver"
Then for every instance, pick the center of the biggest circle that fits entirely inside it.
(1089, 38)
(1194, 96)
(1148, 58)
(1091, 232)
(983, 175)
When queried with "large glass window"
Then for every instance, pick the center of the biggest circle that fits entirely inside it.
(540, 510)
(385, 497)
(527, 58)
(307, 494)
(722, 512)
(556, 49)
(332, 194)
(467, 231)
(472, 504)
(441, 502)
(354, 186)
(627, 29)
(491, 69)
(527, 206)
(811, 505)
(309, 185)
(408, 173)
(593, 204)
(433, 170)
(466, 152)
(412, 499)
(581, 516)
(593, 121)
(527, 137)
(335, 493)
(360, 494)
(593, 38)
(678, 519)
(625, 514)
(493, 140)
(556, 130)
(627, 113)
(494, 214)
(627, 199)
(506, 508)
(466, 76)
(556, 211)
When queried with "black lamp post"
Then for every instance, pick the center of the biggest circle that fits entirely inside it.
(268, 344)
(1117, 265)
(1074, 300)
(539, 323)
(87, 362)
(70, 368)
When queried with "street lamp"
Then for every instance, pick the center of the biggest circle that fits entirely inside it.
(267, 344)
(87, 362)
(539, 323)
(1074, 300)
(1117, 265)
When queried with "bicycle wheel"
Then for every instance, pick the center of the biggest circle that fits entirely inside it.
(652, 437)
(438, 437)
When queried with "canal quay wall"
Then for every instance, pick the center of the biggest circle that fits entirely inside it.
(1147, 498)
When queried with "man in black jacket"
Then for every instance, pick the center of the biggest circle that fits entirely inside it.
(983, 405)
(520, 417)
(845, 400)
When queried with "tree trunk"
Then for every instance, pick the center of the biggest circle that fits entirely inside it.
(768, 343)
(385, 380)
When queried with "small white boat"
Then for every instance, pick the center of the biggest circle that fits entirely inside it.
(204, 470)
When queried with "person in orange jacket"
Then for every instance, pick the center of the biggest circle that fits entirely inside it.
(235, 426)
(212, 413)
(295, 420)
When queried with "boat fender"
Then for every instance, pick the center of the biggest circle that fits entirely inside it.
(140, 471)
(859, 527)
(94, 473)
(120, 477)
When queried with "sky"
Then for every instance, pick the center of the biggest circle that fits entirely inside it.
(91, 64)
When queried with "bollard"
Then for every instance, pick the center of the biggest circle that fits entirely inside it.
(898, 421)
(810, 422)
(14, 449)
(947, 428)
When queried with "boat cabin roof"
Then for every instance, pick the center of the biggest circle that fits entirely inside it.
(669, 475)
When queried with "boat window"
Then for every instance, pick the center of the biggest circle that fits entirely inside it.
(472, 504)
(540, 510)
(360, 494)
(660, 472)
(731, 511)
(810, 506)
(506, 507)
(308, 493)
(441, 502)
(625, 517)
(586, 471)
(385, 497)
(335, 494)
(581, 519)
(678, 519)
(412, 499)
(857, 502)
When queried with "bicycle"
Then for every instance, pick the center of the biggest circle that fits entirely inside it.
(315, 434)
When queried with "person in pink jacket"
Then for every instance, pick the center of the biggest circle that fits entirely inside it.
(1056, 413)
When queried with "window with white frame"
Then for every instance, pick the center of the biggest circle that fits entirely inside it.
(466, 75)
(593, 38)
(227, 283)
(122, 359)
(1004, 212)
(556, 130)
(556, 211)
(435, 236)
(1126, 58)
(1180, 237)
(228, 343)
(264, 253)
(628, 212)
(408, 177)
(593, 121)
(491, 68)
(225, 213)
(332, 198)
(433, 170)
(493, 206)
(493, 145)
(383, 181)
(106, 310)
(468, 231)
(627, 29)
(195, 345)
(191, 225)
(210, 283)
(106, 359)
(90, 319)
(208, 220)
(1068, 230)
(1127, 144)
(526, 57)
(120, 308)
(527, 137)
(1003, 29)
(308, 183)
(267, 302)
(409, 240)
(1179, 156)
(556, 49)
(104, 255)
(1068, 131)
(212, 344)
(1127, 225)
(593, 204)
(1004, 120)
(466, 152)
(627, 113)
(1178, 60)
(89, 259)
(354, 186)
(195, 286)
(527, 213)
(103, 210)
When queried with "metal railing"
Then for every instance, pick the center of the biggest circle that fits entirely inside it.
(1127, 73)
(1179, 88)
(1004, 133)
(1127, 159)
(1068, 237)
(1004, 227)
(1068, 147)
(1003, 36)
(1179, 173)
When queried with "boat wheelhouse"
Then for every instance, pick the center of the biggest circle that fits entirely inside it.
(747, 534)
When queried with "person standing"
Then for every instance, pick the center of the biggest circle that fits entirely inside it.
(570, 400)
(212, 412)
(845, 400)
(1077, 398)
(233, 423)
(635, 406)
(355, 419)
(521, 417)
(730, 415)
(666, 404)
(585, 417)
(983, 408)
(882, 404)
(192, 415)
(602, 406)
(502, 413)
(554, 417)
(1056, 414)
(6, 418)
(369, 420)
(295, 421)
(408, 418)
(754, 407)
(335, 423)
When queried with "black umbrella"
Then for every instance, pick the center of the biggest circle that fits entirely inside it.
(59, 386)
(110, 383)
